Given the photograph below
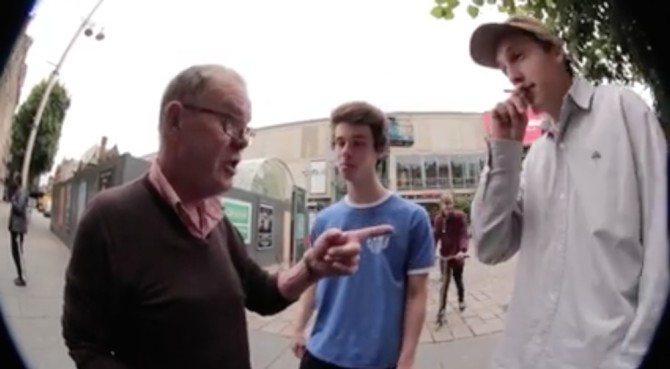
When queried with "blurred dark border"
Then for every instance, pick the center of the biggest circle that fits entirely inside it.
(13, 17)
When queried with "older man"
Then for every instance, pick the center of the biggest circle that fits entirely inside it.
(587, 213)
(158, 277)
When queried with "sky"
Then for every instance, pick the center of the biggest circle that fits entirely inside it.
(300, 58)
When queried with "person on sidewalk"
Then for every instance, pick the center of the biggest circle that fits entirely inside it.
(371, 319)
(586, 211)
(451, 238)
(158, 277)
(18, 227)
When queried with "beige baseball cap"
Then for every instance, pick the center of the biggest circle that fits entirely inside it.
(485, 39)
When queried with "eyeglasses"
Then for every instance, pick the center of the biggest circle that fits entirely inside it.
(234, 130)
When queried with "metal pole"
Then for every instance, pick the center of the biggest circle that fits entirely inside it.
(53, 77)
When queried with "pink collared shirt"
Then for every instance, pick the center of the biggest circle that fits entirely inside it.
(200, 217)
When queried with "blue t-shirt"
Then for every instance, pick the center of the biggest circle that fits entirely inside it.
(359, 321)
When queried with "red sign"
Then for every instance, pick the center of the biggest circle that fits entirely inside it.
(533, 130)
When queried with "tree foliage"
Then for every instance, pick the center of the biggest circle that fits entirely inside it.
(48, 134)
(603, 40)
(463, 202)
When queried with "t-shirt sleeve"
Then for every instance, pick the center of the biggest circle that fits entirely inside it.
(421, 249)
(315, 232)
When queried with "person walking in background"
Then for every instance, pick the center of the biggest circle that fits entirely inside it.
(18, 227)
(371, 319)
(586, 211)
(450, 228)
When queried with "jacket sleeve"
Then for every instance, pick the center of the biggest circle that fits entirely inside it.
(650, 154)
(497, 208)
(19, 203)
(87, 319)
(437, 230)
(260, 287)
(464, 233)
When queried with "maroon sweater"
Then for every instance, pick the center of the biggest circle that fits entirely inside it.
(451, 232)
(141, 292)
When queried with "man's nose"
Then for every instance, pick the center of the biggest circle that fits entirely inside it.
(345, 150)
(239, 143)
(515, 76)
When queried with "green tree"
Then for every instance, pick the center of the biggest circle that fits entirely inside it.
(605, 41)
(463, 202)
(48, 134)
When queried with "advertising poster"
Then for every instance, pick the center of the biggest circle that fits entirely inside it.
(239, 214)
(81, 199)
(265, 226)
(105, 179)
(68, 207)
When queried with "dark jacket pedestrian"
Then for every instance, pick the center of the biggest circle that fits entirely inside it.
(18, 227)
(18, 217)
(451, 233)
(451, 238)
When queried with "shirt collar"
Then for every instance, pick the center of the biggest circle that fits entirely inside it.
(162, 185)
(579, 95)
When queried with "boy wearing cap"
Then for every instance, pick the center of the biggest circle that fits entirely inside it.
(586, 211)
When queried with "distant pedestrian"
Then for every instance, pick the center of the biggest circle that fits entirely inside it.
(451, 238)
(18, 227)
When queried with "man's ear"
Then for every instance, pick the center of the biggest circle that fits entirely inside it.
(172, 116)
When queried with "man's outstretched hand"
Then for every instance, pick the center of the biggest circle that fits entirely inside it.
(336, 252)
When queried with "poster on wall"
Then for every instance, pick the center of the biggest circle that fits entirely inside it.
(81, 199)
(105, 179)
(239, 214)
(318, 177)
(68, 208)
(61, 206)
(300, 219)
(265, 213)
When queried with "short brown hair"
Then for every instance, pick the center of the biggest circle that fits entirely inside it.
(360, 113)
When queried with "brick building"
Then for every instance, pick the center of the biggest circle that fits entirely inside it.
(11, 81)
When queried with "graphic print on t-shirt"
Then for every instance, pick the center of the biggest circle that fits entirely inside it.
(377, 244)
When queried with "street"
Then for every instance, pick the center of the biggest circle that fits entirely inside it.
(33, 312)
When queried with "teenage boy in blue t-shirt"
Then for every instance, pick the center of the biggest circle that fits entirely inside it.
(373, 318)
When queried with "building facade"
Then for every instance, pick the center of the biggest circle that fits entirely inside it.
(11, 81)
(431, 153)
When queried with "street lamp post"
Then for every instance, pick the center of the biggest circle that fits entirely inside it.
(53, 77)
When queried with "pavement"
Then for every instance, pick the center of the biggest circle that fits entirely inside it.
(33, 313)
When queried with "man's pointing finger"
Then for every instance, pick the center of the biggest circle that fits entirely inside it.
(363, 233)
